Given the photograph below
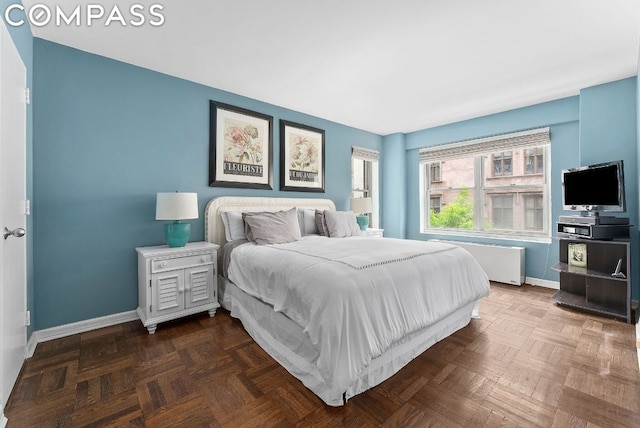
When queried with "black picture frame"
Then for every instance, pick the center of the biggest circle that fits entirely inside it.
(302, 157)
(238, 140)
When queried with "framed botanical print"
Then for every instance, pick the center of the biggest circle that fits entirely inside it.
(240, 147)
(301, 157)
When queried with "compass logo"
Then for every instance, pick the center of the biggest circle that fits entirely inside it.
(40, 15)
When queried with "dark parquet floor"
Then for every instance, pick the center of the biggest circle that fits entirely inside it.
(525, 363)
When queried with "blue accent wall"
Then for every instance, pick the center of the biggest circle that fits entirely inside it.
(394, 183)
(109, 136)
(23, 40)
(601, 124)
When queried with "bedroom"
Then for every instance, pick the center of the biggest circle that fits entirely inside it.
(106, 136)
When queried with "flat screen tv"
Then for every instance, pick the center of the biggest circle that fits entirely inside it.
(594, 188)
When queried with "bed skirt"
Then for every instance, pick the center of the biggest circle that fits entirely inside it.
(284, 340)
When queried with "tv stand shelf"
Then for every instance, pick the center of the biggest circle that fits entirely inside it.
(593, 288)
(564, 298)
(565, 267)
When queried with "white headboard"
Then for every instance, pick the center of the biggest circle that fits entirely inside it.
(214, 228)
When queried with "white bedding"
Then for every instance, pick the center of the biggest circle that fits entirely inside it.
(355, 297)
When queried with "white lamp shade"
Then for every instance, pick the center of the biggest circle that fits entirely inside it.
(361, 205)
(176, 206)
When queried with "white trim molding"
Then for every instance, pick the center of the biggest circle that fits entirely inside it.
(365, 154)
(77, 327)
(478, 146)
(555, 285)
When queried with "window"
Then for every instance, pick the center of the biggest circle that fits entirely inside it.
(364, 179)
(435, 171)
(495, 186)
(434, 203)
(533, 212)
(502, 164)
(533, 161)
(360, 178)
(502, 211)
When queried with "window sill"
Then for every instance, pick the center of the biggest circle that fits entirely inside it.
(516, 236)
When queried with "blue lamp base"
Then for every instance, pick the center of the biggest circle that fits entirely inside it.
(363, 221)
(177, 233)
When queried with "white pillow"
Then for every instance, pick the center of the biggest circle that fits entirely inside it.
(341, 224)
(233, 225)
(308, 221)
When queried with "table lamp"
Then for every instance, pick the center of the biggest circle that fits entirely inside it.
(177, 206)
(361, 207)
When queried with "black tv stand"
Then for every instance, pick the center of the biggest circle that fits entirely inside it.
(604, 285)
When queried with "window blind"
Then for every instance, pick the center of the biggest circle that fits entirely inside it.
(364, 153)
(480, 146)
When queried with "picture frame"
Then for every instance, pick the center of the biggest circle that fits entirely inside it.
(240, 147)
(577, 255)
(302, 157)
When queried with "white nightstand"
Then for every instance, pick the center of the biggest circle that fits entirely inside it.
(176, 282)
(375, 233)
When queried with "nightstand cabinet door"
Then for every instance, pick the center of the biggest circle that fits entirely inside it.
(199, 286)
(166, 292)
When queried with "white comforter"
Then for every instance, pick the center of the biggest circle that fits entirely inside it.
(354, 297)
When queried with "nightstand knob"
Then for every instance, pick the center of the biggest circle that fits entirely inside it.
(163, 264)
(203, 259)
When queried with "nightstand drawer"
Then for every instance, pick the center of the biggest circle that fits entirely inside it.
(164, 264)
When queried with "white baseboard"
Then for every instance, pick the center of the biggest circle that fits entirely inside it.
(77, 327)
(31, 345)
(543, 283)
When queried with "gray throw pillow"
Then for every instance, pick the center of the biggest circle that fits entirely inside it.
(273, 227)
(341, 224)
(321, 224)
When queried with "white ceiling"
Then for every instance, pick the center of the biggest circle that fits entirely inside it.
(379, 65)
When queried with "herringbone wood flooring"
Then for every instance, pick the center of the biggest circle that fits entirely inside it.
(525, 363)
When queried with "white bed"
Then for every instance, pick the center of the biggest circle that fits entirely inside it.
(359, 282)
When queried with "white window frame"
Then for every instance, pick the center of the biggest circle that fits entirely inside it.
(477, 149)
(371, 180)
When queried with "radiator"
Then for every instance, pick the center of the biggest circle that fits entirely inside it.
(501, 263)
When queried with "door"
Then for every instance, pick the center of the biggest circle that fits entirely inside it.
(199, 286)
(13, 305)
(166, 292)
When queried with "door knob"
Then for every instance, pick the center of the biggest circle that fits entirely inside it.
(18, 232)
